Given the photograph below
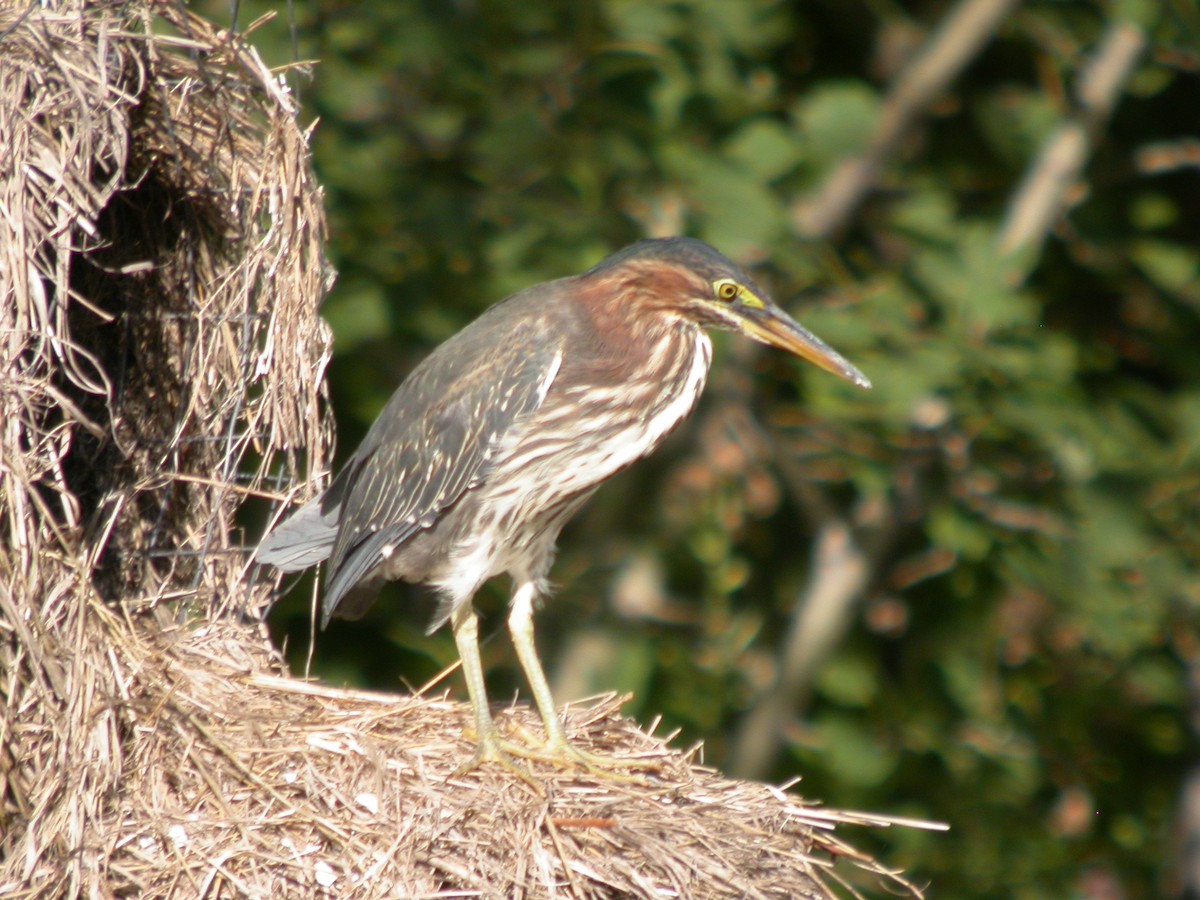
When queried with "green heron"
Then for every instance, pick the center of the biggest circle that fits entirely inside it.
(503, 432)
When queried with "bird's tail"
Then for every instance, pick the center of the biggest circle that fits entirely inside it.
(301, 541)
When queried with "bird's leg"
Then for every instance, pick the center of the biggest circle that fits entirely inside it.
(466, 636)
(491, 749)
(558, 748)
(520, 625)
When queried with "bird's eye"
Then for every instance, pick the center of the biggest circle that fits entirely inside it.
(727, 290)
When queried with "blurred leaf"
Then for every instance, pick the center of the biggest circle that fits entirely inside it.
(1173, 267)
(356, 316)
(737, 212)
(854, 754)
(1152, 211)
(960, 533)
(836, 119)
(850, 680)
(1018, 121)
(764, 149)
(975, 284)
(928, 213)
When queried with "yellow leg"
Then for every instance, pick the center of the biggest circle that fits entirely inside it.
(558, 749)
(491, 748)
(520, 625)
(466, 637)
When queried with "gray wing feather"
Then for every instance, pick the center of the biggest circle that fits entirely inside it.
(302, 540)
(435, 440)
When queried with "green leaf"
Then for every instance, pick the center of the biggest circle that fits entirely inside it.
(356, 313)
(735, 211)
(849, 680)
(959, 532)
(1173, 267)
(764, 148)
(836, 120)
(854, 754)
(975, 285)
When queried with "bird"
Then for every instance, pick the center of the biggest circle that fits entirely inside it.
(498, 437)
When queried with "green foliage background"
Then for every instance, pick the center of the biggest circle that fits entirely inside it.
(1024, 479)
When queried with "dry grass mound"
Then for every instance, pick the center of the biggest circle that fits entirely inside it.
(261, 785)
(161, 362)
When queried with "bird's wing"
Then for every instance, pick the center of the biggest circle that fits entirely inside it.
(436, 439)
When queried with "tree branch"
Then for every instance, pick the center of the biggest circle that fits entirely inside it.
(961, 36)
(1048, 187)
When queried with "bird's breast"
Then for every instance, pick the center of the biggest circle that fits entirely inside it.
(584, 432)
(587, 430)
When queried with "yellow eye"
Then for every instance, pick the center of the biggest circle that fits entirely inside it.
(727, 290)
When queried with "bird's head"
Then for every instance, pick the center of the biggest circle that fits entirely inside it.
(687, 278)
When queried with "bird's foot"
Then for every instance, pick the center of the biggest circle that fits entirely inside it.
(494, 749)
(555, 751)
(558, 751)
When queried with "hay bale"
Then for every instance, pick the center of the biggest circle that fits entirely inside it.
(161, 264)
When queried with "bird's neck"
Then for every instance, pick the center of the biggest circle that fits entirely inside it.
(624, 337)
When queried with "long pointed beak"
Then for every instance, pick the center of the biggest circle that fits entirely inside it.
(775, 328)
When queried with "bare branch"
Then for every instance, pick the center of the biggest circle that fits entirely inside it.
(839, 575)
(1050, 184)
(961, 36)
